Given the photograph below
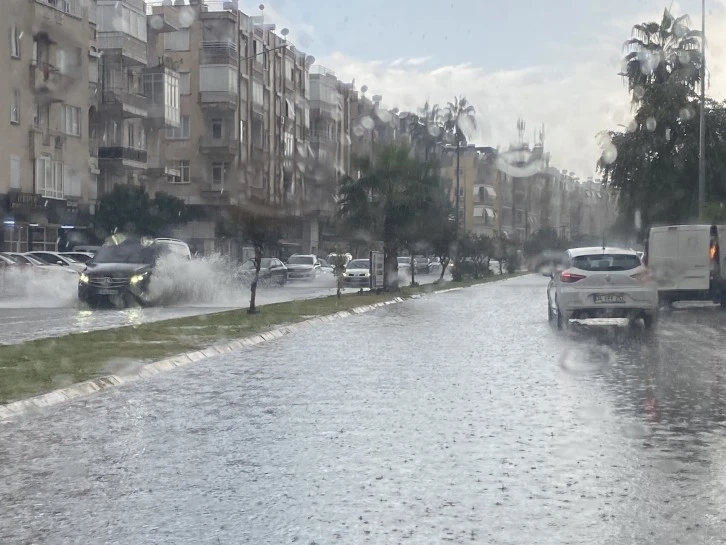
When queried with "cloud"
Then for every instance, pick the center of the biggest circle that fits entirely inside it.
(416, 61)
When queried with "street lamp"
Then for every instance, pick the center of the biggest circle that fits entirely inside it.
(702, 120)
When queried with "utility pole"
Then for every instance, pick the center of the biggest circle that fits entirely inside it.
(702, 123)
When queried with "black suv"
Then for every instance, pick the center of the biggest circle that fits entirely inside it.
(121, 270)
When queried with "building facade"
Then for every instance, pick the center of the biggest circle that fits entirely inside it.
(48, 186)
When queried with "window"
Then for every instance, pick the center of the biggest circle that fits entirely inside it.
(182, 131)
(15, 107)
(177, 41)
(40, 115)
(130, 136)
(217, 128)
(14, 42)
(221, 78)
(242, 131)
(184, 167)
(219, 173)
(258, 52)
(14, 172)
(257, 93)
(71, 120)
(606, 262)
(72, 182)
(49, 177)
(185, 83)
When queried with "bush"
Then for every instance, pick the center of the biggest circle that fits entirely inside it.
(514, 262)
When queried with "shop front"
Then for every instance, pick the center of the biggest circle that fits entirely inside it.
(33, 222)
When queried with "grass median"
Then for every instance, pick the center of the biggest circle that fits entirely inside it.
(38, 366)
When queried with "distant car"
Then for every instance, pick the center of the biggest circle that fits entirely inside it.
(272, 271)
(56, 258)
(302, 267)
(422, 264)
(601, 282)
(121, 271)
(326, 267)
(81, 257)
(357, 274)
(37, 266)
(404, 265)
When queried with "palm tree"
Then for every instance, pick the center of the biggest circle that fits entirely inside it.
(459, 118)
(390, 194)
(658, 52)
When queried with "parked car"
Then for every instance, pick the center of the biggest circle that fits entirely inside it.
(602, 282)
(302, 267)
(81, 257)
(37, 266)
(422, 264)
(272, 271)
(86, 249)
(56, 258)
(686, 262)
(404, 265)
(357, 274)
(121, 270)
(326, 267)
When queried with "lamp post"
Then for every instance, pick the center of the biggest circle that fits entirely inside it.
(702, 120)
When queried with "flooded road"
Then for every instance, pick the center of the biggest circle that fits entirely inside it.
(23, 319)
(459, 417)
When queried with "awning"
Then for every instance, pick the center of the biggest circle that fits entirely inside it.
(491, 214)
(290, 108)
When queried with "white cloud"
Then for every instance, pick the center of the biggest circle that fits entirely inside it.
(416, 61)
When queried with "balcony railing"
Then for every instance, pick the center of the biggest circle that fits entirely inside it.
(218, 98)
(132, 104)
(218, 53)
(123, 153)
(131, 48)
(225, 144)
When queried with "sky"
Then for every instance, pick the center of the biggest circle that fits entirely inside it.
(550, 63)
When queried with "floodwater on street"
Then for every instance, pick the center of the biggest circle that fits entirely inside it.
(459, 417)
(49, 307)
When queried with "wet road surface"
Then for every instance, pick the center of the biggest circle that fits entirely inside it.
(58, 313)
(458, 417)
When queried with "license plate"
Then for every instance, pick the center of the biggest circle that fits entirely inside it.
(609, 299)
(107, 292)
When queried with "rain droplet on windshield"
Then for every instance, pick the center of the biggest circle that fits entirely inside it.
(650, 124)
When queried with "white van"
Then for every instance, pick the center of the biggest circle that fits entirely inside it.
(687, 263)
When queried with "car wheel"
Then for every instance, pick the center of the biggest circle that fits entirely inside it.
(561, 320)
(650, 321)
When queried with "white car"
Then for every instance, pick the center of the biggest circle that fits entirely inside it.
(602, 283)
(357, 274)
(56, 258)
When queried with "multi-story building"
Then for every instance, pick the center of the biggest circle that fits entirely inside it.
(244, 122)
(48, 186)
(330, 142)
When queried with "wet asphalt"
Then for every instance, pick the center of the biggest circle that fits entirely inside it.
(460, 417)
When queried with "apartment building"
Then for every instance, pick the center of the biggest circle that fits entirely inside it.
(244, 118)
(330, 142)
(48, 186)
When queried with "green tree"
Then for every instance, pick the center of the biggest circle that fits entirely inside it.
(440, 229)
(460, 121)
(129, 209)
(392, 190)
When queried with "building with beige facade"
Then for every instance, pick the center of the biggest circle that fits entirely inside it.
(48, 185)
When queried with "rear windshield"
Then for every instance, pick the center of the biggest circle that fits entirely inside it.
(606, 262)
(359, 264)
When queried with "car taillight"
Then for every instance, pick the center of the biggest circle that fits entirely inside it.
(713, 252)
(643, 276)
(570, 278)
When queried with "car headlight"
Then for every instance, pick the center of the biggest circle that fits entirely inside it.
(83, 278)
(366, 275)
(135, 279)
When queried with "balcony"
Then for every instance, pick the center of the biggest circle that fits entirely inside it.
(124, 104)
(227, 145)
(161, 87)
(123, 44)
(49, 83)
(218, 53)
(123, 156)
(218, 100)
(45, 142)
(93, 156)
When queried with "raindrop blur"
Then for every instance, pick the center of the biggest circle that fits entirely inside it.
(686, 113)
(668, 134)
(466, 125)
(638, 91)
(186, 17)
(684, 57)
(367, 123)
(609, 154)
(434, 129)
(637, 220)
(358, 130)
(632, 126)
(383, 115)
(156, 22)
(650, 124)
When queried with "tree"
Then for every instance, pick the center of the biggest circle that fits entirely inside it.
(440, 229)
(263, 227)
(459, 120)
(426, 129)
(653, 163)
(129, 209)
(392, 190)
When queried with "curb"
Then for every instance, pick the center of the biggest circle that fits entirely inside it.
(31, 404)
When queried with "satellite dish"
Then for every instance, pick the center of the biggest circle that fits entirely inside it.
(364, 89)
(310, 59)
(262, 7)
(285, 31)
